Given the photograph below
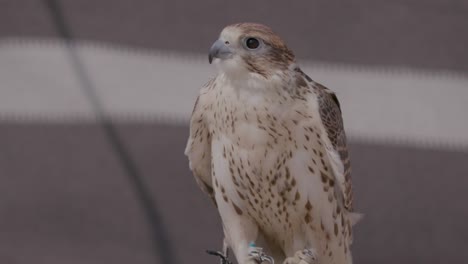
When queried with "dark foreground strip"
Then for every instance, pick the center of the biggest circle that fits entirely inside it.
(163, 249)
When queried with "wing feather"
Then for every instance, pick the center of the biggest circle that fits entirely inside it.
(330, 114)
(332, 120)
(198, 148)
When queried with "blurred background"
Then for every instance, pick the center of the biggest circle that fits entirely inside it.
(95, 98)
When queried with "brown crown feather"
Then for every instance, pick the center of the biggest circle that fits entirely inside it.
(279, 56)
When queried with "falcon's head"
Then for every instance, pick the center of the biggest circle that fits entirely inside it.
(250, 48)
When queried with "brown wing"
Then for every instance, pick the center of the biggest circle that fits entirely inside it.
(330, 114)
(198, 148)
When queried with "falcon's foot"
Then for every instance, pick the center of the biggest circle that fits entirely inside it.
(305, 256)
(257, 256)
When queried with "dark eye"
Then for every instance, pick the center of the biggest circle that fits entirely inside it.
(252, 43)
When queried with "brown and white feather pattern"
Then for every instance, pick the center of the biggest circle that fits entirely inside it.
(330, 114)
(198, 147)
(272, 154)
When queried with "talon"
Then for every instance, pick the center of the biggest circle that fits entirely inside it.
(307, 255)
(224, 259)
(258, 254)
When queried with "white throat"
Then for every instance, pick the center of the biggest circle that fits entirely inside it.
(235, 74)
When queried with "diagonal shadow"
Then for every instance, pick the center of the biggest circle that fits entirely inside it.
(163, 249)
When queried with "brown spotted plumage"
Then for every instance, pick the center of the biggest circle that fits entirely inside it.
(267, 144)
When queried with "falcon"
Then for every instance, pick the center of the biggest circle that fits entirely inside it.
(267, 144)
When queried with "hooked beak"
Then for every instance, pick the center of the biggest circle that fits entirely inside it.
(219, 50)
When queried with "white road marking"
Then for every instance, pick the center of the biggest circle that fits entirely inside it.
(37, 83)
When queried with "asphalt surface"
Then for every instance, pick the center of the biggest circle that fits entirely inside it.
(404, 33)
(67, 199)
